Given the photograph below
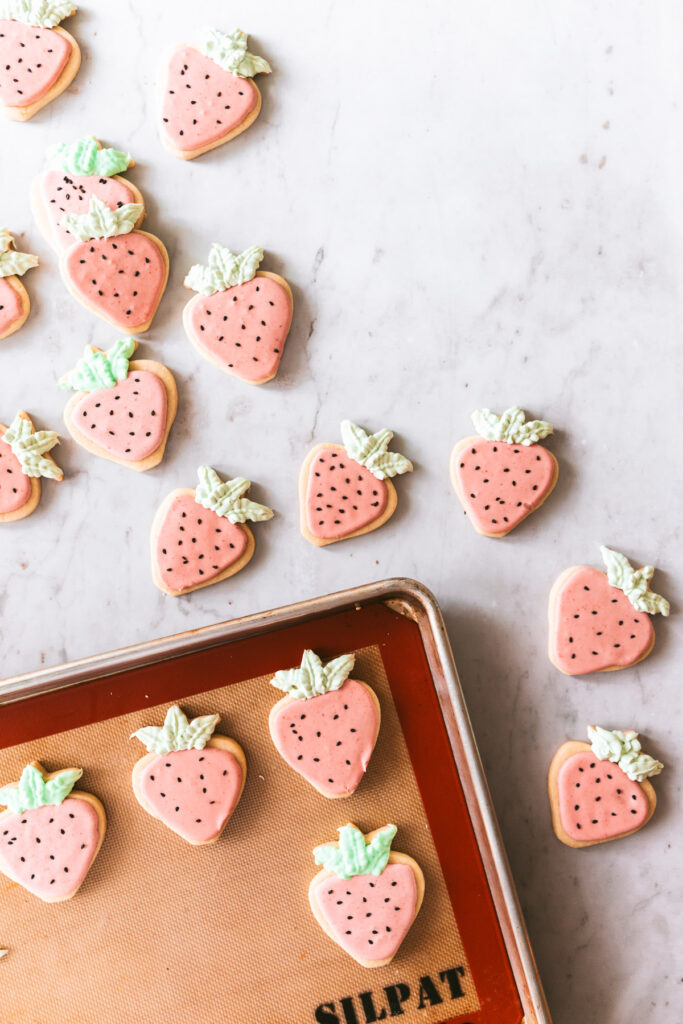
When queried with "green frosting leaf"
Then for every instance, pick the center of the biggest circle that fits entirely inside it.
(96, 370)
(34, 791)
(30, 447)
(624, 750)
(84, 156)
(633, 582)
(225, 270)
(12, 262)
(313, 678)
(229, 50)
(177, 733)
(101, 222)
(510, 427)
(42, 13)
(352, 856)
(370, 450)
(225, 499)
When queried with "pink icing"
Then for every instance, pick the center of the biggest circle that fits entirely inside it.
(202, 101)
(69, 833)
(245, 326)
(31, 61)
(194, 792)
(329, 739)
(63, 193)
(194, 544)
(596, 626)
(377, 911)
(11, 308)
(128, 420)
(598, 800)
(342, 496)
(15, 486)
(121, 277)
(502, 483)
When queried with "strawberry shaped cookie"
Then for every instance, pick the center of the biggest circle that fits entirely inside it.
(123, 411)
(191, 779)
(209, 94)
(15, 304)
(503, 475)
(241, 317)
(23, 460)
(599, 790)
(50, 833)
(366, 897)
(38, 60)
(114, 270)
(327, 725)
(600, 622)
(344, 490)
(200, 536)
(76, 172)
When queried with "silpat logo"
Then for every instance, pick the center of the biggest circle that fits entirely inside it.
(394, 1000)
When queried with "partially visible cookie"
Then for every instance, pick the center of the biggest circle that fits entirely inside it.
(15, 304)
(24, 460)
(38, 60)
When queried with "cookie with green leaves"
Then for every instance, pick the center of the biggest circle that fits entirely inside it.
(15, 304)
(200, 536)
(345, 489)
(24, 459)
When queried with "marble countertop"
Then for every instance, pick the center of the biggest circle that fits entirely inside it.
(475, 207)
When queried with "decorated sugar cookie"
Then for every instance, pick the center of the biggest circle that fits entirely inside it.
(24, 460)
(15, 304)
(600, 622)
(50, 833)
(38, 60)
(113, 269)
(240, 318)
(599, 790)
(123, 410)
(191, 779)
(76, 172)
(366, 896)
(344, 490)
(327, 725)
(200, 536)
(209, 93)
(503, 475)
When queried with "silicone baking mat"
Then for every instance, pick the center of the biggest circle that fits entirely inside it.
(162, 931)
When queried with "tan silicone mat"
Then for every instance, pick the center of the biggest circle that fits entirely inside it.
(165, 933)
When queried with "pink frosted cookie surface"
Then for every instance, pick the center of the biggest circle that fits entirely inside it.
(15, 486)
(195, 544)
(10, 305)
(597, 799)
(63, 193)
(127, 420)
(31, 61)
(202, 101)
(342, 496)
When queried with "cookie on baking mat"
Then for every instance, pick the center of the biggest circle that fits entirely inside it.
(241, 316)
(200, 536)
(366, 896)
(24, 460)
(344, 490)
(599, 790)
(15, 304)
(326, 726)
(38, 60)
(123, 410)
(601, 621)
(209, 93)
(113, 269)
(77, 171)
(50, 833)
(191, 779)
(503, 474)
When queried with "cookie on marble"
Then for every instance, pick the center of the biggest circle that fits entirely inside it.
(599, 790)
(366, 896)
(15, 304)
(503, 474)
(600, 621)
(200, 536)
(240, 318)
(345, 490)
(38, 60)
(24, 459)
(209, 93)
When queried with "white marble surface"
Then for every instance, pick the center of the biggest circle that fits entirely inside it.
(477, 204)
